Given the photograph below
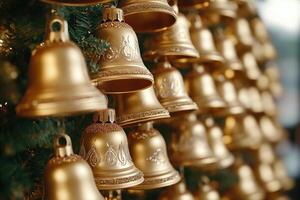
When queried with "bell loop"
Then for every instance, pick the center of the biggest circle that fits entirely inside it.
(113, 14)
(63, 150)
(60, 35)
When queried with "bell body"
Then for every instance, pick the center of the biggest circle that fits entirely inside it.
(170, 89)
(139, 107)
(204, 43)
(271, 132)
(215, 138)
(202, 89)
(152, 15)
(68, 176)
(189, 146)
(269, 104)
(177, 192)
(77, 2)
(104, 146)
(251, 67)
(256, 101)
(59, 84)
(148, 150)
(122, 69)
(174, 43)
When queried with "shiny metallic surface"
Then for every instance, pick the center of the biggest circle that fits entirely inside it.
(251, 67)
(104, 146)
(77, 2)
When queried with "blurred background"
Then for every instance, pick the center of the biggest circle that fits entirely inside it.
(282, 19)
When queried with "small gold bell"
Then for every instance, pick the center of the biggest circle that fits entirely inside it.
(170, 89)
(215, 138)
(104, 146)
(227, 49)
(196, 4)
(77, 2)
(247, 187)
(203, 41)
(139, 107)
(281, 173)
(149, 153)
(271, 132)
(177, 192)
(189, 146)
(174, 43)
(251, 67)
(67, 175)
(206, 191)
(255, 100)
(273, 74)
(122, 69)
(201, 88)
(148, 15)
(59, 84)
(229, 94)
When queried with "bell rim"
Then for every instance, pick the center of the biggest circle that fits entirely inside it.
(196, 163)
(176, 107)
(212, 57)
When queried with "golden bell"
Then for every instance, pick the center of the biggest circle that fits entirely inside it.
(251, 67)
(104, 146)
(77, 2)
(273, 74)
(270, 131)
(242, 132)
(229, 94)
(122, 69)
(259, 30)
(220, 11)
(203, 41)
(269, 104)
(189, 146)
(247, 187)
(206, 191)
(202, 89)
(196, 4)
(281, 173)
(266, 154)
(215, 138)
(170, 90)
(255, 100)
(139, 107)
(227, 49)
(177, 192)
(149, 153)
(59, 84)
(244, 97)
(67, 175)
(174, 43)
(152, 15)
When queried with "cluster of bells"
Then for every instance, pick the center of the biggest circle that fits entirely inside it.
(229, 76)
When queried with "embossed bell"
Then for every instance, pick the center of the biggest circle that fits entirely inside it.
(170, 90)
(104, 146)
(139, 107)
(77, 2)
(252, 70)
(206, 191)
(149, 153)
(227, 49)
(177, 192)
(59, 84)
(282, 175)
(215, 138)
(247, 187)
(203, 41)
(122, 69)
(196, 4)
(270, 131)
(202, 89)
(67, 175)
(174, 43)
(152, 15)
(189, 145)
(229, 94)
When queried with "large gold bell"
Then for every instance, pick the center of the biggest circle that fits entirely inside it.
(189, 146)
(196, 4)
(177, 192)
(247, 187)
(152, 15)
(203, 41)
(206, 191)
(77, 2)
(229, 94)
(67, 175)
(139, 107)
(122, 69)
(59, 84)
(215, 138)
(104, 146)
(282, 175)
(149, 153)
(175, 43)
(202, 89)
(251, 67)
(170, 89)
